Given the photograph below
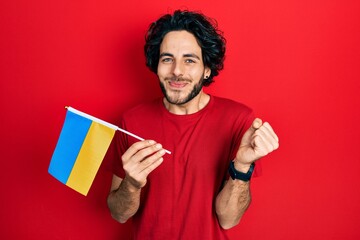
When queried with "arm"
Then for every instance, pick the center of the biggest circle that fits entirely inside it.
(138, 162)
(123, 200)
(233, 200)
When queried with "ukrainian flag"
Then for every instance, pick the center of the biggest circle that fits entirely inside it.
(81, 147)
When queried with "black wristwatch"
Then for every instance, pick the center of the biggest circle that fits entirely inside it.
(235, 174)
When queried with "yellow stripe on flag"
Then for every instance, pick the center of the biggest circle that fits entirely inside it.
(90, 157)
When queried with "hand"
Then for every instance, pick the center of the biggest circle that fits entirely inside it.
(258, 141)
(140, 160)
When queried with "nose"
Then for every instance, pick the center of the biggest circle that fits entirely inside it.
(178, 69)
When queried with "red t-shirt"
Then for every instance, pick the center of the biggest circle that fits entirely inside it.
(178, 199)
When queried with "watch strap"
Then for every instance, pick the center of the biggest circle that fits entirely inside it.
(235, 174)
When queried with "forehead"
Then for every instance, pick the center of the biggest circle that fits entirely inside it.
(180, 42)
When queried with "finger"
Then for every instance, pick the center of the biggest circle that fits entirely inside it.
(271, 131)
(133, 164)
(256, 150)
(261, 147)
(146, 152)
(136, 147)
(146, 166)
(267, 136)
(152, 167)
(151, 159)
(257, 123)
(139, 170)
(246, 139)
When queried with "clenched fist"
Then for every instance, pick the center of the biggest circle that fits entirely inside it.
(258, 141)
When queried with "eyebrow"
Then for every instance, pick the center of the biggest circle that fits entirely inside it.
(192, 55)
(166, 55)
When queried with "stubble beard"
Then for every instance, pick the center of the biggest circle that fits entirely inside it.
(180, 101)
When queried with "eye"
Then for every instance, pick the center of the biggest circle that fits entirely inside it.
(189, 61)
(166, 60)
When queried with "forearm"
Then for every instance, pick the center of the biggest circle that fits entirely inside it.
(232, 202)
(124, 201)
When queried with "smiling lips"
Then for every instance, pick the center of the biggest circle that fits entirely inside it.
(177, 84)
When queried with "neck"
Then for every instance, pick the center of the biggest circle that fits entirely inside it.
(193, 106)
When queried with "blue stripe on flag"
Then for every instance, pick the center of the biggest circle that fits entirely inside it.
(69, 144)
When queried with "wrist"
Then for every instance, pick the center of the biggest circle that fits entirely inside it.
(244, 174)
(130, 186)
(242, 167)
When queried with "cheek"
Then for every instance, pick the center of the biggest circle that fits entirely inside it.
(160, 73)
(158, 70)
(196, 73)
(162, 69)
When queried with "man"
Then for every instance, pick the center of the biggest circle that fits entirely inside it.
(187, 194)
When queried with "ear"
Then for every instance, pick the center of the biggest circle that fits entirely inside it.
(207, 72)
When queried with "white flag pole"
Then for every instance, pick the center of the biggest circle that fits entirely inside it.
(107, 124)
(137, 137)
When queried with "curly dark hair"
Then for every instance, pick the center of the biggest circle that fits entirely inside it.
(205, 30)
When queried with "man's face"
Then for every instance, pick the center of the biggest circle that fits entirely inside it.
(181, 70)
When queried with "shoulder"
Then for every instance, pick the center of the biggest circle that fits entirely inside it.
(230, 112)
(143, 109)
(155, 103)
(225, 104)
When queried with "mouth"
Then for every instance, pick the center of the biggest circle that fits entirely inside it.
(177, 84)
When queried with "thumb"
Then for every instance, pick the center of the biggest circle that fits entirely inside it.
(256, 124)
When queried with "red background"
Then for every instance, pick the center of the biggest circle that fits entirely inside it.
(296, 63)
